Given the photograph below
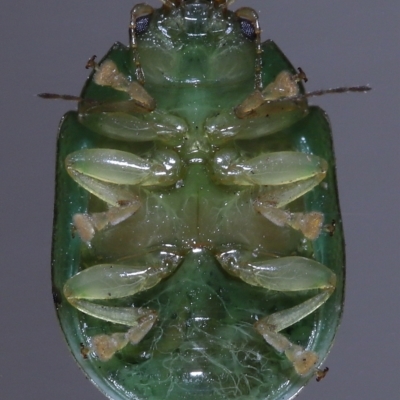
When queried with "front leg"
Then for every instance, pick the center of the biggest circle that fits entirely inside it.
(262, 113)
(132, 119)
(284, 274)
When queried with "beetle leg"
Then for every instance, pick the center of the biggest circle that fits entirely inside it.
(116, 120)
(112, 281)
(86, 225)
(285, 176)
(107, 74)
(122, 168)
(272, 169)
(135, 119)
(271, 198)
(274, 98)
(226, 126)
(284, 274)
(130, 120)
(105, 346)
(106, 174)
(310, 224)
(262, 113)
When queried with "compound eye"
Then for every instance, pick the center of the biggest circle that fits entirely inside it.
(247, 29)
(140, 18)
(142, 24)
(248, 20)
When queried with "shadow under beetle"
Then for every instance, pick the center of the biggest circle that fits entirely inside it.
(195, 188)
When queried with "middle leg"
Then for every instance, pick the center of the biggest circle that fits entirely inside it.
(108, 174)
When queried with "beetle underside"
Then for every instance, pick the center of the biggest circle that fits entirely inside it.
(200, 201)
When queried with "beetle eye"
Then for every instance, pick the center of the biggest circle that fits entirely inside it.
(247, 29)
(248, 20)
(142, 24)
(140, 18)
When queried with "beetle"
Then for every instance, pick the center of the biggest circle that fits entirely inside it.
(194, 255)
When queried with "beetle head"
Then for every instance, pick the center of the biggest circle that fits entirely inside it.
(195, 41)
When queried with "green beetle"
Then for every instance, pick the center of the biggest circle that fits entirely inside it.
(194, 253)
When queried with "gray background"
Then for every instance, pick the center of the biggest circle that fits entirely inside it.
(45, 45)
